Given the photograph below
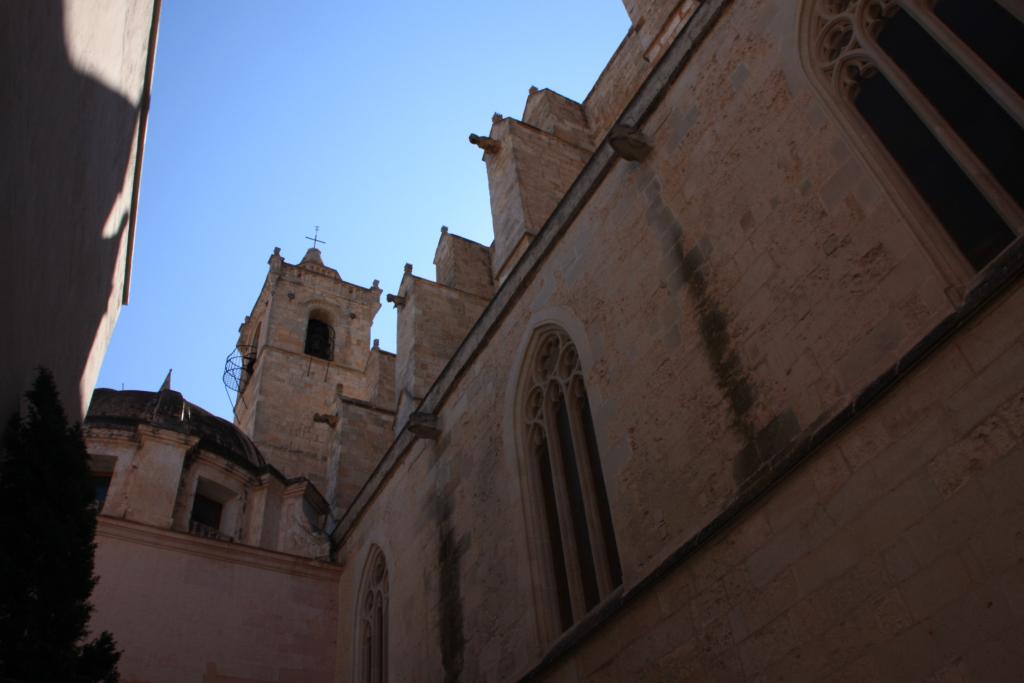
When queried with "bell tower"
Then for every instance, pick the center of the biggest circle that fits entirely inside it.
(304, 347)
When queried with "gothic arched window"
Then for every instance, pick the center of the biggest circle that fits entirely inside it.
(371, 646)
(319, 339)
(939, 83)
(561, 448)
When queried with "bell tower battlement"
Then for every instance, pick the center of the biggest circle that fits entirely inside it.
(305, 347)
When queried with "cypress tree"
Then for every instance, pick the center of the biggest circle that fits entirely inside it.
(47, 548)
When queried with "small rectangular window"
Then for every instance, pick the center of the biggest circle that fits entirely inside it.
(207, 512)
(215, 510)
(101, 485)
(102, 473)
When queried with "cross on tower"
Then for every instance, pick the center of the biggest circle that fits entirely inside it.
(316, 237)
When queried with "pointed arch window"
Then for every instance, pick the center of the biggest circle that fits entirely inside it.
(939, 84)
(582, 559)
(371, 646)
(319, 338)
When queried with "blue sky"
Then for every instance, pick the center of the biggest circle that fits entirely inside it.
(350, 116)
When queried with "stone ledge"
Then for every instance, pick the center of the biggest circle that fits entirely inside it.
(234, 553)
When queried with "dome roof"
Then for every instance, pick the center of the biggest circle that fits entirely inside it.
(168, 409)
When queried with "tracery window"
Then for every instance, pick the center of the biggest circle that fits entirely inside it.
(371, 646)
(561, 448)
(319, 339)
(940, 84)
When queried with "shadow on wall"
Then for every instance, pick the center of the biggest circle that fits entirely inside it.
(66, 142)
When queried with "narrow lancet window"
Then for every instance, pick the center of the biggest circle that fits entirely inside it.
(371, 665)
(582, 561)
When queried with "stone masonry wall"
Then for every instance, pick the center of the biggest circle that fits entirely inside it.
(508, 212)
(616, 85)
(739, 286)
(527, 177)
(185, 608)
(558, 115)
(362, 436)
(463, 264)
(380, 378)
(894, 554)
(546, 168)
(431, 323)
(656, 23)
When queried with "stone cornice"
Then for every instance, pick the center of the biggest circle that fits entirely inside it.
(364, 404)
(233, 553)
(150, 432)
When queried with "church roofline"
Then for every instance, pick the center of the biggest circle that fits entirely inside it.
(435, 283)
(608, 66)
(168, 409)
(234, 553)
(445, 232)
(310, 266)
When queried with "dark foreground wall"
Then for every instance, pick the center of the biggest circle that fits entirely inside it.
(74, 91)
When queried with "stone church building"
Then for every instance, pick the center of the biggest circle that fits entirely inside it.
(736, 393)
